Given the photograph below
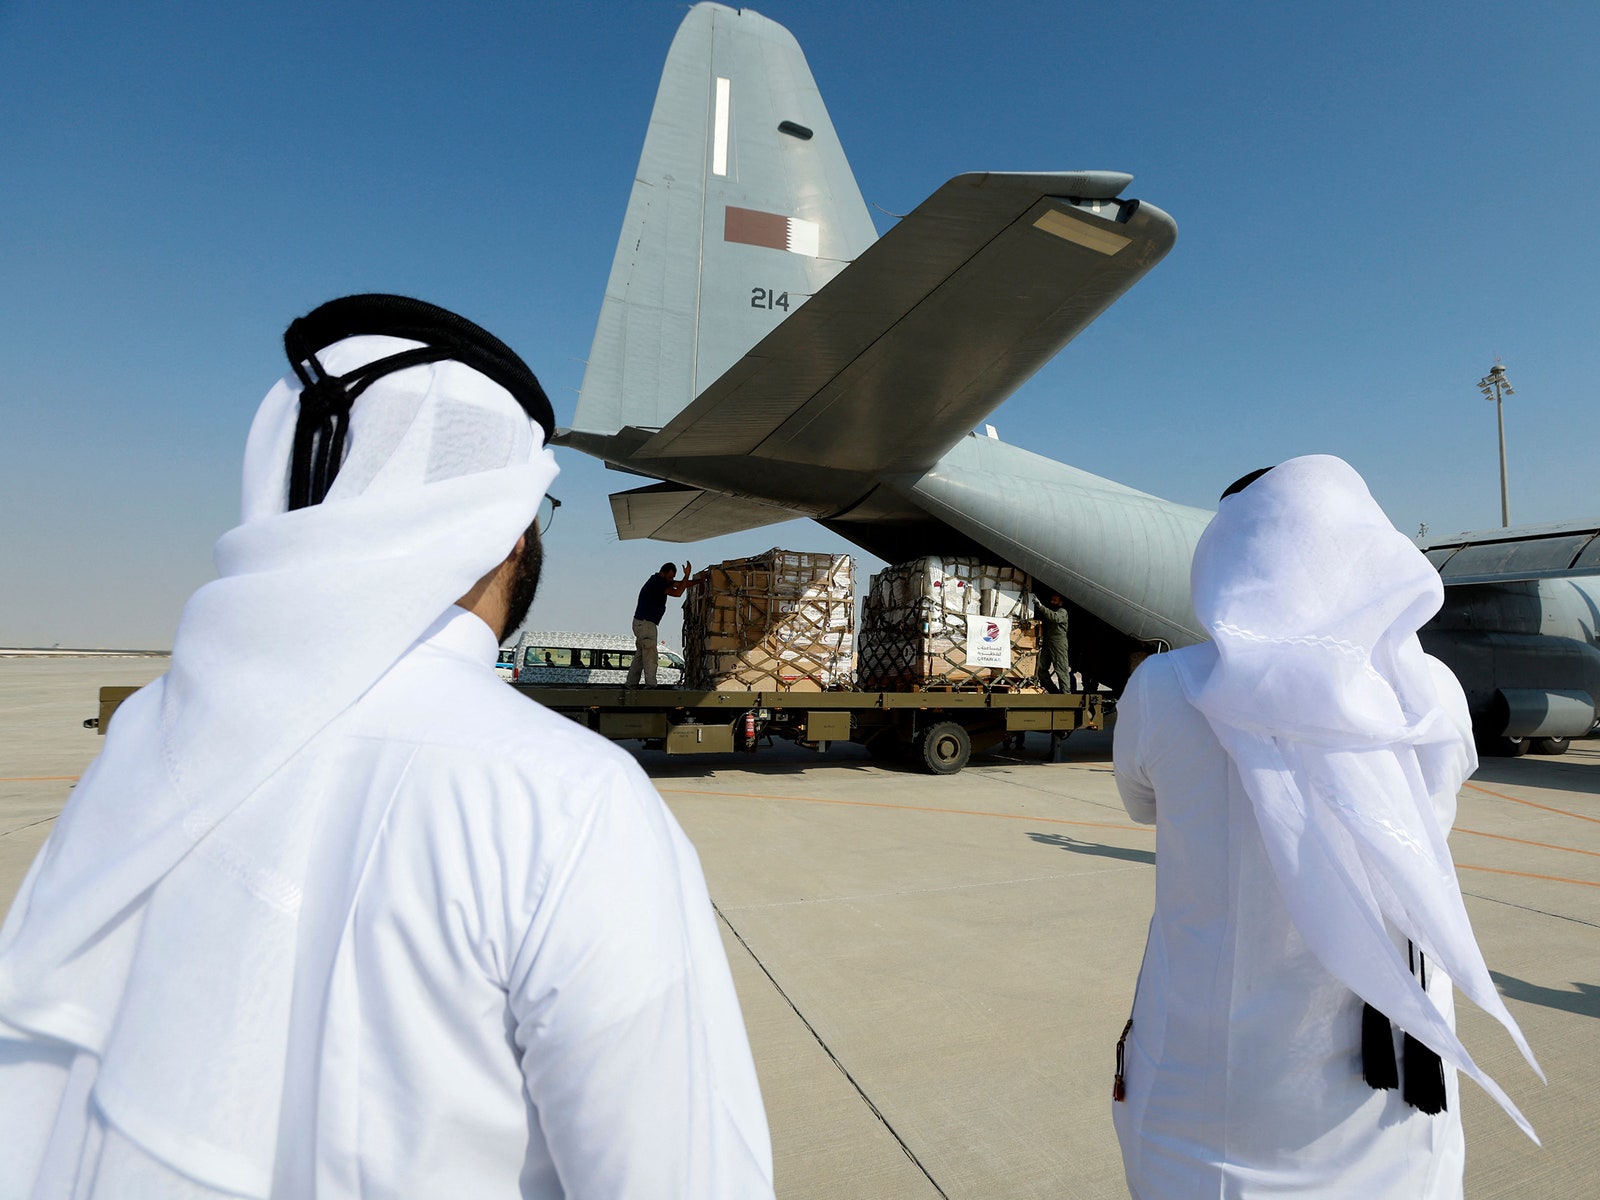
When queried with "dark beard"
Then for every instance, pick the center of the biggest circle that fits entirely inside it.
(524, 583)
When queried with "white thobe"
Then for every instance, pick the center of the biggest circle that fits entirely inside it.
(1243, 1066)
(509, 980)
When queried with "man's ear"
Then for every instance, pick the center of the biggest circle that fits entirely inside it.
(491, 591)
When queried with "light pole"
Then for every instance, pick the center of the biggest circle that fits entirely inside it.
(1494, 386)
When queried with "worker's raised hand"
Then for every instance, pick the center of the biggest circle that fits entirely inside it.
(687, 570)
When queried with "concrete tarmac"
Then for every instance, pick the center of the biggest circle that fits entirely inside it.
(934, 971)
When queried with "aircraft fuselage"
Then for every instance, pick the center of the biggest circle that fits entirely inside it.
(1526, 655)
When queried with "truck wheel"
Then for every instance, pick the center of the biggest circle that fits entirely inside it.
(1550, 745)
(945, 748)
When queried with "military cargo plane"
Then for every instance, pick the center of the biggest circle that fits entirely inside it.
(764, 355)
(1518, 627)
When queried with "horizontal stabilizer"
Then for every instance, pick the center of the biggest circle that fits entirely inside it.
(1511, 555)
(670, 513)
(922, 336)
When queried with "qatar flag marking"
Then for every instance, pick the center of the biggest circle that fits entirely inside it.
(753, 228)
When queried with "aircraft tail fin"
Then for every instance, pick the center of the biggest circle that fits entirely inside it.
(743, 206)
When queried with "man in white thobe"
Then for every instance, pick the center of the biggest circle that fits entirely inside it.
(1301, 769)
(336, 913)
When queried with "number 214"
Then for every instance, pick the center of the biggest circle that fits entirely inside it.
(767, 298)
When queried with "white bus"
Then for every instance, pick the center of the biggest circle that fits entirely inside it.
(551, 659)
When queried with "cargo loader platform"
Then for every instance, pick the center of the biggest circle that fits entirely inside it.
(937, 730)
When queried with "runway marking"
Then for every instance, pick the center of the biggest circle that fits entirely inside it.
(1543, 912)
(954, 812)
(29, 825)
(963, 812)
(41, 779)
(828, 1050)
(1528, 875)
(1531, 804)
(1525, 842)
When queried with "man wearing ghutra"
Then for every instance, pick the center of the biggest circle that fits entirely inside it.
(1293, 1025)
(336, 912)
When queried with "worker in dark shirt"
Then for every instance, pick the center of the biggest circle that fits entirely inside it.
(647, 616)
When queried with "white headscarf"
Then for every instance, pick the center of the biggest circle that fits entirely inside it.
(188, 1012)
(1319, 691)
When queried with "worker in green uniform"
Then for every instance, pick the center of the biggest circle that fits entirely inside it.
(1053, 658)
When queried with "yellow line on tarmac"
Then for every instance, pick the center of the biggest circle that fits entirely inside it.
(1531, 804)
(1525, 842)
(954, 812)
(1527, 875)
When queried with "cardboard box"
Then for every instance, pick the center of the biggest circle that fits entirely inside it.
(926, 621)
(780, 621)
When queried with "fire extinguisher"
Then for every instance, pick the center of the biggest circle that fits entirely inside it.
(750, 732)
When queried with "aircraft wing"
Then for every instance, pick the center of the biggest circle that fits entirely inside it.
(937, 322)
(670, 513)
(1510, 555)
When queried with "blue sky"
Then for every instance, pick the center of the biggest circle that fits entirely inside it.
(1374, 200)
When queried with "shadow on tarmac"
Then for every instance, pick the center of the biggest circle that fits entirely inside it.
(1585, 1001)
(1575, 771)
(785, 758)
(1095, 848)
(780, 759)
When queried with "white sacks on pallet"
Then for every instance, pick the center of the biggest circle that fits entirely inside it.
(948, 622)
(781, 621)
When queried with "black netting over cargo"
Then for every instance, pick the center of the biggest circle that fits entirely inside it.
(948, 622)
(781, 621)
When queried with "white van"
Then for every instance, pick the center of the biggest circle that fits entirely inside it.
(547, 659)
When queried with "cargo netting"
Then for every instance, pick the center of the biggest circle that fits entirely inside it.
(925, 621)
(780, 621)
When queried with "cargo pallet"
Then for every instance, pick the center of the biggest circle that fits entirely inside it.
(937, 730)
